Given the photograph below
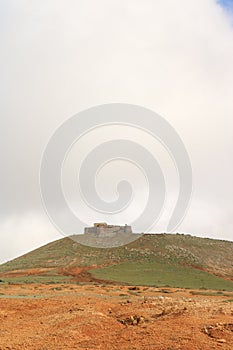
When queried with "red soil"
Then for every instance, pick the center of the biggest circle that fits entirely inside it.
(70, 316)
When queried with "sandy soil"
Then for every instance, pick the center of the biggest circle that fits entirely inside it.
(71, 316)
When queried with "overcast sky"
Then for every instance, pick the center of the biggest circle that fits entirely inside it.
(61, 57)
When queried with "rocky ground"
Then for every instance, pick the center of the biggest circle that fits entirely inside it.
(99, 316)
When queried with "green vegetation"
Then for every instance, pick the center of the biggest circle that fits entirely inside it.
(36, 279)
(157, 274)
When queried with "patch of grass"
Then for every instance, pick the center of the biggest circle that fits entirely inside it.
(162, 274)
(36, 279)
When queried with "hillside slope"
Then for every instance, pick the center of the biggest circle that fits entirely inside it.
(64, 257)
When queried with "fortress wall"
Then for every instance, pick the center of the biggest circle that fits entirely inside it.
(127, 229)
(90, 230)
(107, 231)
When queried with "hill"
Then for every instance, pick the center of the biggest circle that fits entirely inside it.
(154, 259)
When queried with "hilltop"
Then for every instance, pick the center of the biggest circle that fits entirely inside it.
(154, 259)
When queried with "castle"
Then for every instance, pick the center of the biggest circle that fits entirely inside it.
(102, 229)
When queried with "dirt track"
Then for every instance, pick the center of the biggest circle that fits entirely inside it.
(45, 317)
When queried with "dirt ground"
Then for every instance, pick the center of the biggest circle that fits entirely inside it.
(99, 316)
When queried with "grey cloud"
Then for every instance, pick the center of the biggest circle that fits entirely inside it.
(58, 58)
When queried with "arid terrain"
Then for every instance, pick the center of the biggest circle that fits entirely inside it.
(104, 316)
(162, 292)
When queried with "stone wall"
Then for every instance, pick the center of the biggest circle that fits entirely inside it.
(107, 230)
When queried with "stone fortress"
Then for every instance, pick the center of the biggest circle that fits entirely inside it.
(102, 229)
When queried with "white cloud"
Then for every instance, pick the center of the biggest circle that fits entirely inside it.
(20, 234)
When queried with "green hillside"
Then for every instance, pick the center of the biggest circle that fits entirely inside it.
(182, 257)
(162, 274)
